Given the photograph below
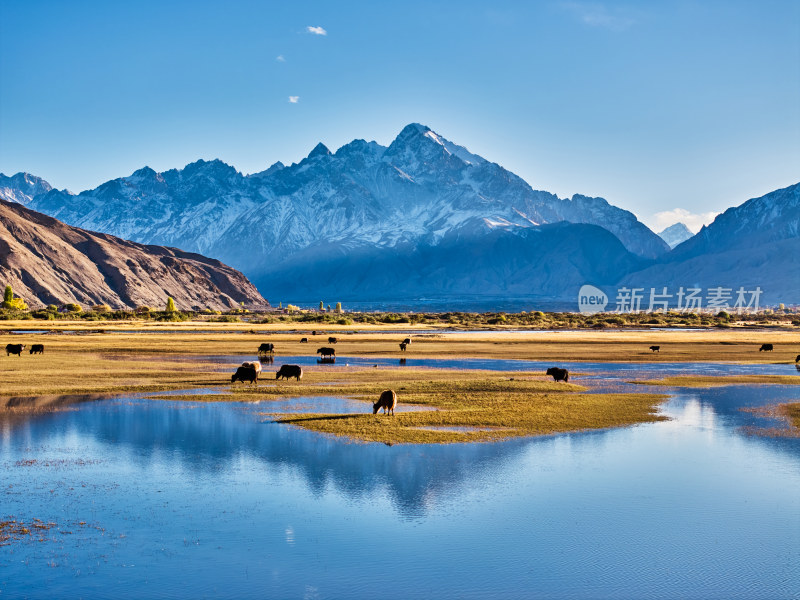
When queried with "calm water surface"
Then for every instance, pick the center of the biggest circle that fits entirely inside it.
(169, 500)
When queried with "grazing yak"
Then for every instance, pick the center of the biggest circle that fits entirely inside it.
(331, 340)
(37, 349)
(765, 348)
(266, 348)
(303, 340)
(387, 402)
(655, 348)
(14, 349)
(407, 341)
(326, 352)
(558, 374)
(403, 346)
(247, 372)
(797, 359)
(287, 371)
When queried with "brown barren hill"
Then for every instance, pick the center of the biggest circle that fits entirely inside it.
(49, 262)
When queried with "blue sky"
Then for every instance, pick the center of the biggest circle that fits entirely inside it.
(655, 106)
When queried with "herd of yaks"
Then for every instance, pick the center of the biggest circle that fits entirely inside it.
(249, 371)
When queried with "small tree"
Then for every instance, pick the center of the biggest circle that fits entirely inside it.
(13, 303)
(338, 307)
(170, 305)
(321, 306)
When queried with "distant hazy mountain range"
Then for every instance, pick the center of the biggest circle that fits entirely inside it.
(48, 262)
(422, 218)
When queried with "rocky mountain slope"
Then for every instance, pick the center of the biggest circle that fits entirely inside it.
(675, 234)
(48, 262)
(756, 244)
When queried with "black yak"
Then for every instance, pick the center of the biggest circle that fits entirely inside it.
(287, 371)
(37, 349)
(14, 349)
(325, 352)
(655, 348)
(558, 374)
(765, 348)
(249, 374)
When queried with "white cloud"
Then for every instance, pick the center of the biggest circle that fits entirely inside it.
(280, 58)
(316, 30)
(294, 99)
(596, 14)
(694, 221)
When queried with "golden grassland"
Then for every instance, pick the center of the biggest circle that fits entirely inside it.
(618, 345)
(705, 381)
(472, 405)
(788, 412)
(481, 405)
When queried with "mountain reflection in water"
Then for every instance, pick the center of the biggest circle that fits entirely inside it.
(184, 499)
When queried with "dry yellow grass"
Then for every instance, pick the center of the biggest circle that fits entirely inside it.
(488, 405)
(788, 412)
(704, 381)
(454, 406)
(718, 345)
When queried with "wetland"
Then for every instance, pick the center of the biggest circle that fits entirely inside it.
(131, 467)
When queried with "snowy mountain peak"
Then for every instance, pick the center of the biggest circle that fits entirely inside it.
(319, 150)
(419, 142)
(675, 234)
(22, 187)
(209, 168)
(274, 168)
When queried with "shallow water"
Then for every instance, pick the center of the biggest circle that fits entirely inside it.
(214, 500)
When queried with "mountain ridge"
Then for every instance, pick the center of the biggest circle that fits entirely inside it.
(48, 262)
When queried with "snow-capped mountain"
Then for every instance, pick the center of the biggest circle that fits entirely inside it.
(22, 187)
(754, 245)
(369, 221)
(418, 189)
(675, 234)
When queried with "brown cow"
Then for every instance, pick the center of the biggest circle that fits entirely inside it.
(387, 402)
